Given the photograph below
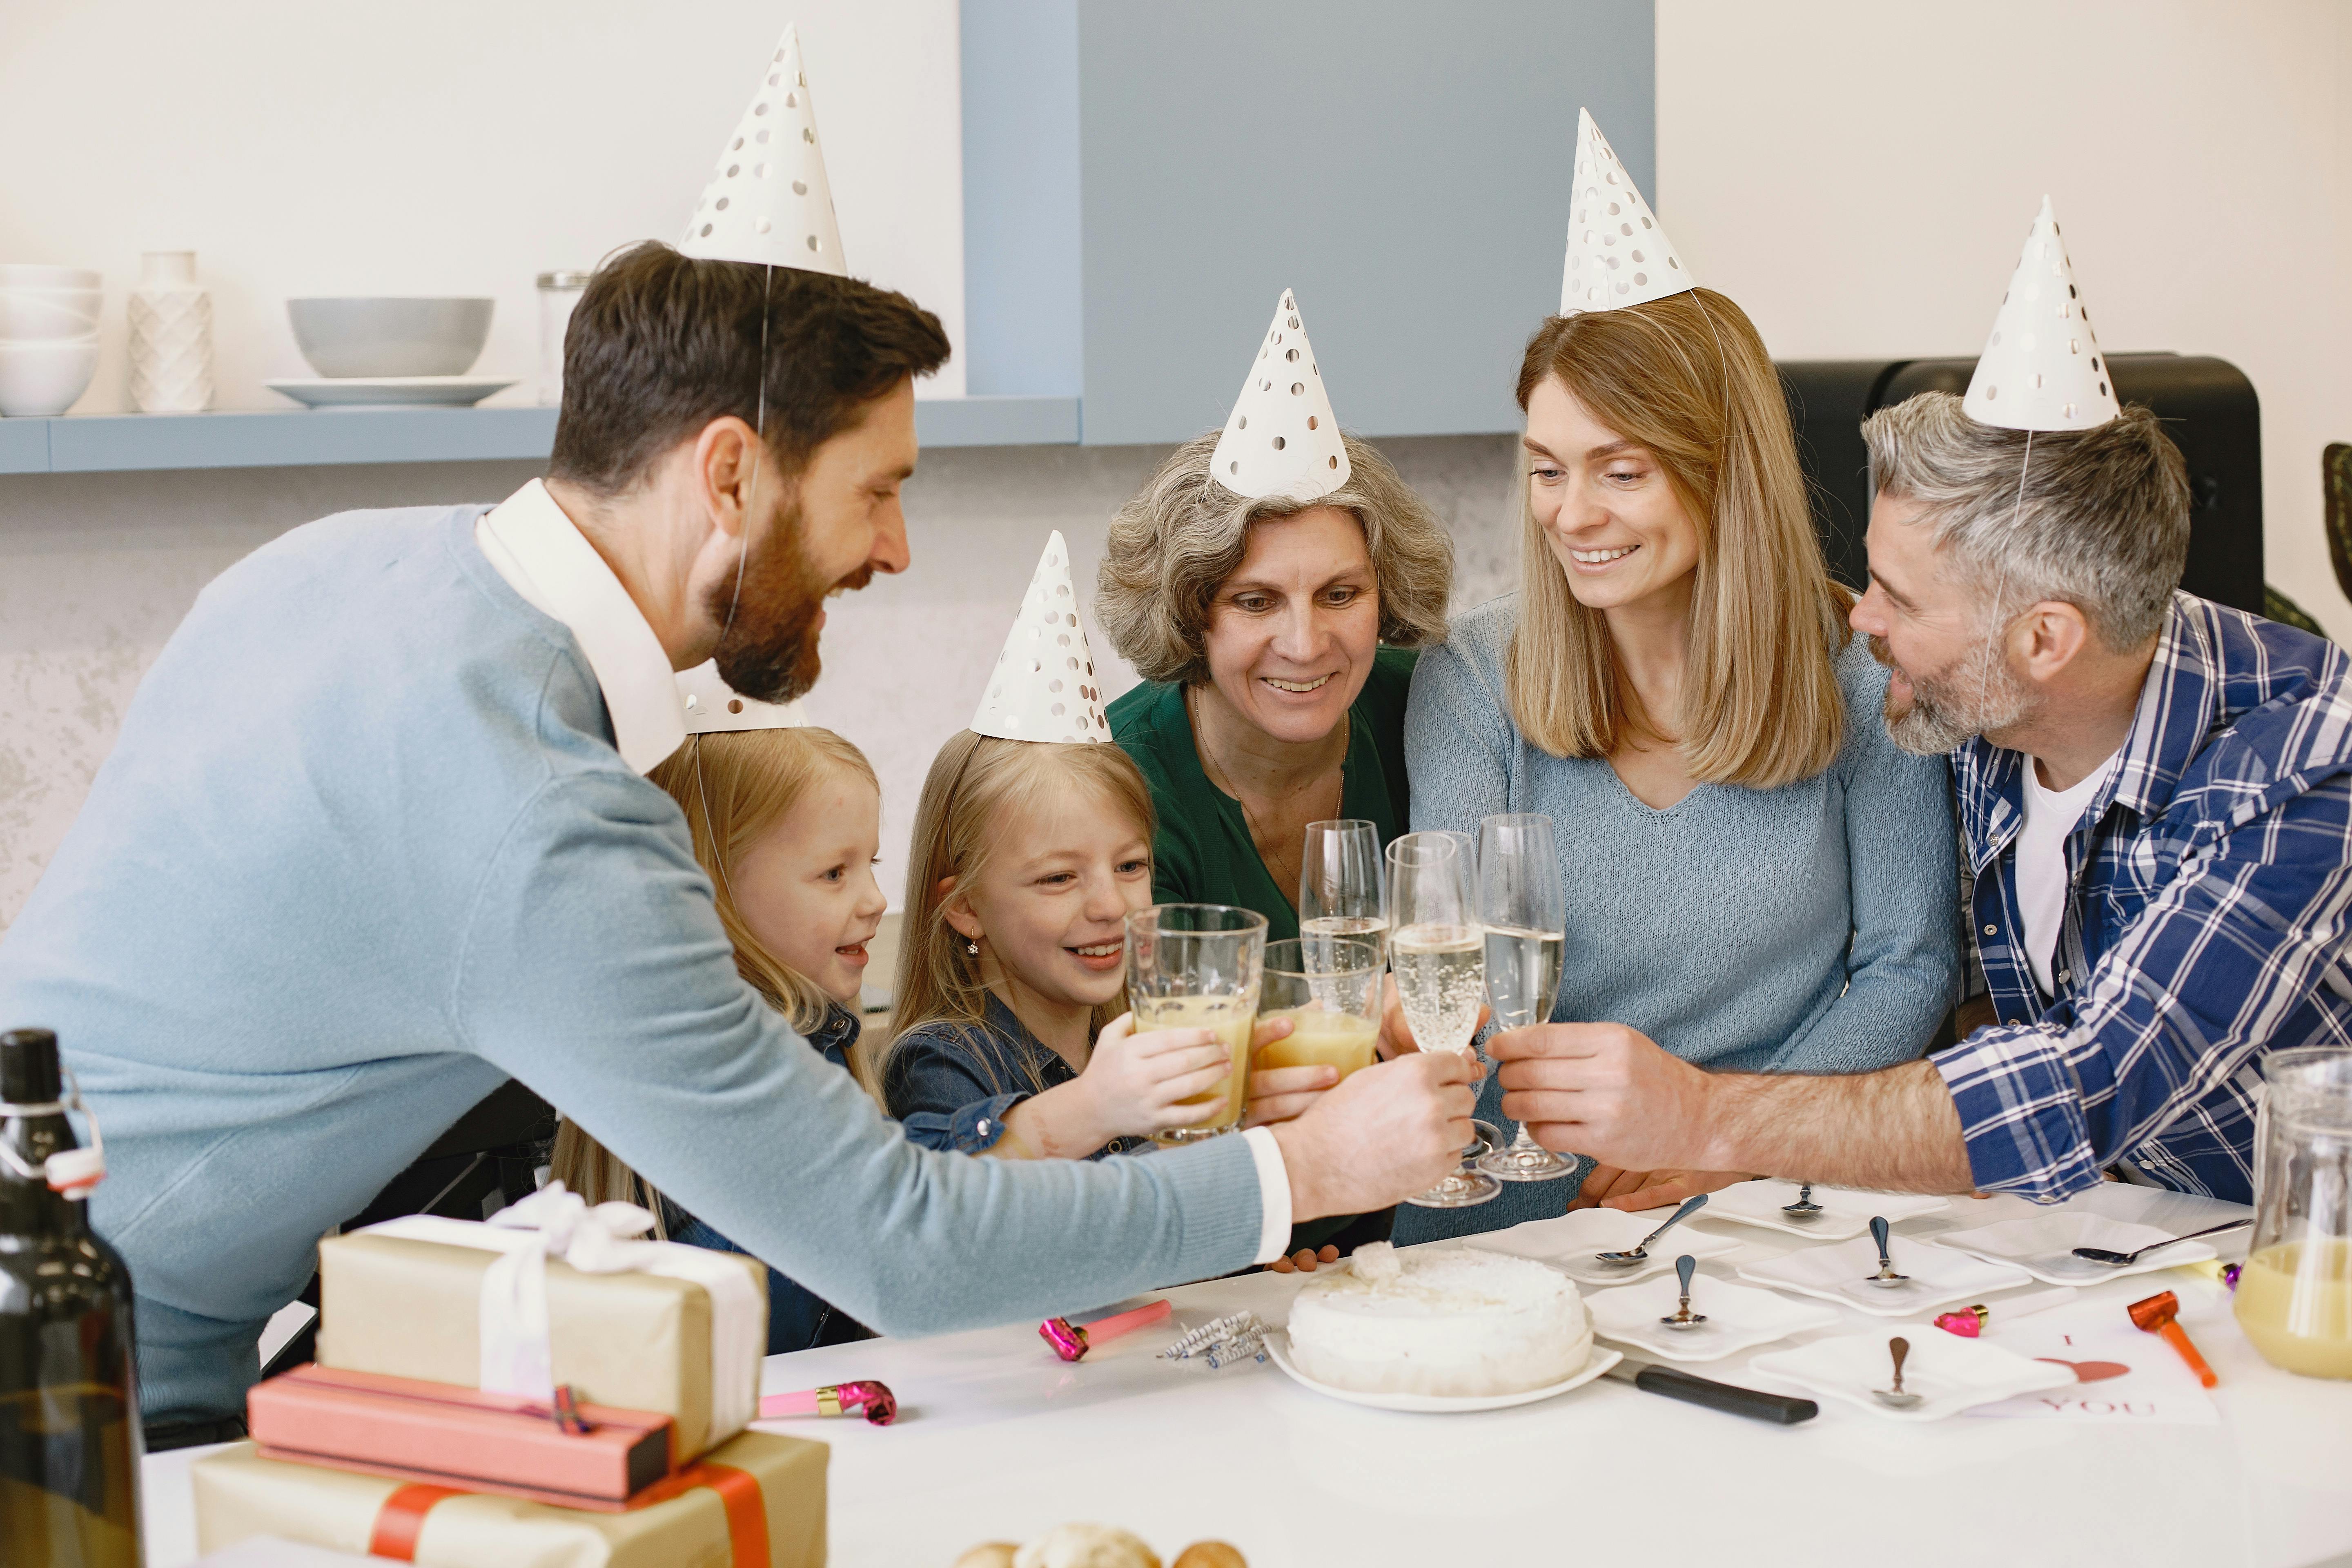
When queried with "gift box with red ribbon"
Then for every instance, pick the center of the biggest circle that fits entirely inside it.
(755, 1502)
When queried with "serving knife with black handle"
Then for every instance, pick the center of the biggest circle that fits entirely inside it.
(1780, 1409)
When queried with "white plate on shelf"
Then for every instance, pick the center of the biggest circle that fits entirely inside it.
(1739, 1317)
(1845, 1211)
(1570, 1243)
(1938, 1276)
(1950, 1373)
(1277, 1344)
(390, 391)
(2044, 1246)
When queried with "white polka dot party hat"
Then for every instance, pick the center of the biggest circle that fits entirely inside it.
(2041, 369)
(1043, 687)
(713, 707)
(1617, 254)
(769, 200)
(1281, 439)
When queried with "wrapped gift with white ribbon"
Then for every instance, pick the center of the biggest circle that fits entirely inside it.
(552, 1291)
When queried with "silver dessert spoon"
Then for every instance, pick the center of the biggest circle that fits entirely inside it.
(1804, 1207)
(1886, 1279)
(1683, 1317)
(1895, 1396)
(2121, 1260)
(1640, 1251)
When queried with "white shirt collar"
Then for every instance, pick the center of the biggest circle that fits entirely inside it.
(544, 557)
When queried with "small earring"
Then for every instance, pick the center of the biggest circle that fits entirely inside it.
(973, 948)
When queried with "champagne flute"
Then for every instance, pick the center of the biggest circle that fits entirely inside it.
(1439, 954)
(1339, 881)
(1522, 908)
(1199, 966)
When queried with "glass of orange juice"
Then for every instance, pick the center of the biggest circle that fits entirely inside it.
(1330, 989)
(1196, 966)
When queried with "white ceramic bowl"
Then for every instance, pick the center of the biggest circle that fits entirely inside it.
(45, 378)
(85, 301)
(28, 318)
(388, 337)
(25, 275)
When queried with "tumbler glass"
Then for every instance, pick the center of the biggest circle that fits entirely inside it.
(1330, 989)
(1197, 966)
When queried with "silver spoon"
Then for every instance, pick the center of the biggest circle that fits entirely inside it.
(1683, 1317)
(1886, 1279)
(1804, 1207)
(1896, 1395)
(2120, 1259)
(1640, 1251)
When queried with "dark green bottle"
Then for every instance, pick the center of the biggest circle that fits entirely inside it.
(69, 1443)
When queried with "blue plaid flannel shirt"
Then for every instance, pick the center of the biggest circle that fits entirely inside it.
(2206, 925)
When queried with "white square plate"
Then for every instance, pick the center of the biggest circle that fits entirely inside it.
(1739, 1317)
(2044, 1246)
(1938, 1276)
(1950, 1373)
(1571, 1242)
(1845, 1211)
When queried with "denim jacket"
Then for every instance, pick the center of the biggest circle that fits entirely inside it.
(798, 1319)
(950, 1084)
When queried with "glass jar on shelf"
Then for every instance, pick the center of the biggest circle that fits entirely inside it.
(557, 292)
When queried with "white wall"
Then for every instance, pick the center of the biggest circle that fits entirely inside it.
(446, 147)
(1860, 175)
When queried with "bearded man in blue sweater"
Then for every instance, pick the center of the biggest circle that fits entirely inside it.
(375, 837)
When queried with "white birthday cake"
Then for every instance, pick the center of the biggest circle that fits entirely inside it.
(1453, 1321)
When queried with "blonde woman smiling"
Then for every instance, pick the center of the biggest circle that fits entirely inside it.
(1756, 877)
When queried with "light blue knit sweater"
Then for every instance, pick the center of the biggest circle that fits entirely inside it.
(363, 850)
(1806, 928)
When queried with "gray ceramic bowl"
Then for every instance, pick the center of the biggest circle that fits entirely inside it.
(391, 337)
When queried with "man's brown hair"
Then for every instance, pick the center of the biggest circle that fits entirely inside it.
(661, 344)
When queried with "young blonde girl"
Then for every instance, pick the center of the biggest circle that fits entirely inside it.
(786, 822)
(1012, 1033)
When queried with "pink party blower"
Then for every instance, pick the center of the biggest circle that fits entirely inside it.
(873, 1400)
(1071, 1341)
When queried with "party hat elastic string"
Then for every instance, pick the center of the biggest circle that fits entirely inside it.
(767, 281)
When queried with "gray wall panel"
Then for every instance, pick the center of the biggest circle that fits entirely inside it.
(1402, 165)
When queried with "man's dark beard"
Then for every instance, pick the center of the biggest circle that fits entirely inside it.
(769, 652)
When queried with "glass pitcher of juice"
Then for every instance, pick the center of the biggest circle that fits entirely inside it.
(2295, 1295)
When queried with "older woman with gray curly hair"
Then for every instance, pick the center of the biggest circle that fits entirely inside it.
(1276, 640)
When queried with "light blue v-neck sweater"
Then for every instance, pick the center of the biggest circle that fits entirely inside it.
(363, 850)
(1812, 928)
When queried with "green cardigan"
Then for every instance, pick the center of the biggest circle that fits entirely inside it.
(1203, 852)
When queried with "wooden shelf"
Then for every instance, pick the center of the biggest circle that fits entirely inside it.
(123, 443)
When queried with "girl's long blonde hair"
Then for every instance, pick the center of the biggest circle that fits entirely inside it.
(734, 788)
(1688, 378)
(975, 782)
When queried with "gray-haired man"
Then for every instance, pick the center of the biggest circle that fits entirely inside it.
(2156, 794)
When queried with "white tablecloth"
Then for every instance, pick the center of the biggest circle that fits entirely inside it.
(998, 1440)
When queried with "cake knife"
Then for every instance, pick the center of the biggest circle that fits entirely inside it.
(1782, 1409)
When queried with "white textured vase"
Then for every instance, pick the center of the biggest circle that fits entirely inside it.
(171, 336)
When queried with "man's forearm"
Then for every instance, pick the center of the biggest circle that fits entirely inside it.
(1895, 1130)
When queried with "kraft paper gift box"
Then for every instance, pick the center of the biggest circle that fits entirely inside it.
(756, 1502)
(399, 1306)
